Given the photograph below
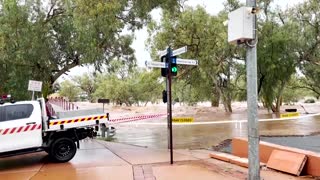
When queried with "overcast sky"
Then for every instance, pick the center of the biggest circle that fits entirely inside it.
(212, 7)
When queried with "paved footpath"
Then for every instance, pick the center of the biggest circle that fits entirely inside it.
(113, 161)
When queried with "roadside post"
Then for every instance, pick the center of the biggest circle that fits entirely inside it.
(34, 86)
(103, 101)
(242, 30)
(169, 68)
(103, 128)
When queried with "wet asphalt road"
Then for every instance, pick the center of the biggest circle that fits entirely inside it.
(208, 135)
(310, 143)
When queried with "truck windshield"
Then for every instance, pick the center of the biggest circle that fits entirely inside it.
(14, 112)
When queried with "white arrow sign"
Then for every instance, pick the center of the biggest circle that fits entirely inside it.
(156, 64)
(187, 61)
(179, 51)
(174, 52)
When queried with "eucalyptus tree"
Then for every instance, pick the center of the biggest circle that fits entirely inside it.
(138, 86)
(206, 39)
(43, 40)
(289, 39)
(306, 17)
(86, 82)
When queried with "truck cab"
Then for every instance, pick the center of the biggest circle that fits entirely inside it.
(20, 126)
(25, 128)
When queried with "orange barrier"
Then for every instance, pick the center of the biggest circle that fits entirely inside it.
(240, 148)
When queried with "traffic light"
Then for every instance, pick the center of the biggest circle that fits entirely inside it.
(164, 71)
(174, 68)
(164, 96)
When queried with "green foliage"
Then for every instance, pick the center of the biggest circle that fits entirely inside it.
(306, 19)
(42, 40)
(86, 83)
(69, 90)
(128, 87)
(205, 37)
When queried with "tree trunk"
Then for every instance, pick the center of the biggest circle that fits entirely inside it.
(227, 104)
(215, 98)
(279, 98)
(226, 100)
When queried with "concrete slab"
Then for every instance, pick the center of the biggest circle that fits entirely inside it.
(92, 162)
(199, 154)
(93, 173)
(90, 144)
(18, 175)
(222, 156)
(22, 163)
(288, 162)
(87, 159)
(244, 162)
(274, 175)
(186, 172)
(96, 162)
(242, 172)
(141, 155)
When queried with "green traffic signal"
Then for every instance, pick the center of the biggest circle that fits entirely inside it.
(174, 69)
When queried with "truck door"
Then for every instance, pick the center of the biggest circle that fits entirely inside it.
(20, 126)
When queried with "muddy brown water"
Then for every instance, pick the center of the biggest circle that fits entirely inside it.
(208, 135)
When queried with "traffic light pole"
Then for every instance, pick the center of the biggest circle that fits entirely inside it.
(169, 68)
(169, 104)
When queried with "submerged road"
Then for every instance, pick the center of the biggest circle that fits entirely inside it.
(207, 134)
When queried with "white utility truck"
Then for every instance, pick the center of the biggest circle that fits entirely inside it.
(25, 128)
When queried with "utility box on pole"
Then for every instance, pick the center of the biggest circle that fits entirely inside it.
(240, 25)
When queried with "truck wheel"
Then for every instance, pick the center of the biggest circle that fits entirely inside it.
(62, 150)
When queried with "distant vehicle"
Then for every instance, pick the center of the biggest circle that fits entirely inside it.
(26, 128)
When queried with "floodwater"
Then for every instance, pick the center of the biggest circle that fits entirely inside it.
(208, 135)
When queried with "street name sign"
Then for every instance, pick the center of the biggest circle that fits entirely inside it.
(162, 53)
(156, 64)
(179, 51)
(175, 52)
(35, 86)
(187, 61)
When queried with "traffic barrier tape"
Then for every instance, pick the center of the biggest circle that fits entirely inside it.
(20, 129)
(137, 118)
(304, 117)
(78, 120)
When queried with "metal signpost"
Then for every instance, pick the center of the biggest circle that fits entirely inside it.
(252, 99)
(103, 101)
(170, 70)
(34, 86)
